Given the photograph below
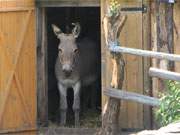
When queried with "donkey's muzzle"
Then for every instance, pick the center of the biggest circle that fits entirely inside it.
(67, 73)
(67, 70)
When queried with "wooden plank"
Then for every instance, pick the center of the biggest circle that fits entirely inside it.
(67, 131)
(147, 90)
(42, 68)
(162, 41)
(177, 32)
(154, 46)
(73, 131)
(103, 57)
(133, 78)
(22, 98)
(145, 53)
(131, 96)
(18, 131)
(68, 3)
(16, 4)
(1, 57)
(170, 31)
(164, 74)
(16, 9)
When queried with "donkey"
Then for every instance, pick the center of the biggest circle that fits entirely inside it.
(76, 65)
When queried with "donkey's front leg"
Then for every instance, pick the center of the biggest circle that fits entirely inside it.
(76, 104)
(63, 103)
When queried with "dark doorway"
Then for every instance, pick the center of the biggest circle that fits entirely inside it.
(89, 19)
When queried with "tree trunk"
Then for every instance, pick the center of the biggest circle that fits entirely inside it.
(112, 27)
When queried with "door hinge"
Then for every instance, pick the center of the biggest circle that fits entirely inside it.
(142, 9)
(168, 1)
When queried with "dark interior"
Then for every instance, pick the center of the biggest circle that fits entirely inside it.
(89, 19)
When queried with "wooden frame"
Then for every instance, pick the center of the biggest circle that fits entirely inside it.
(42, 73)
(42, 85)
(68, 3)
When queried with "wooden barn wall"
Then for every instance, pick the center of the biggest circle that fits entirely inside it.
(135, 35)
(17, 66)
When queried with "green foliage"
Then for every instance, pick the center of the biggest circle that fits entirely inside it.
(169, 110)
(114, 7)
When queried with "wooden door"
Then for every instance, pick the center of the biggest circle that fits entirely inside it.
(134, 35)
(17, 66)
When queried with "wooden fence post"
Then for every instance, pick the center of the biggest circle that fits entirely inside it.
(112, 27)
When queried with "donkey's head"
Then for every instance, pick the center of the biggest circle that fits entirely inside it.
(68, 50)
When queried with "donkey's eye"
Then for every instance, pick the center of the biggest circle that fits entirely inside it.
(60, 50)
(76, 50)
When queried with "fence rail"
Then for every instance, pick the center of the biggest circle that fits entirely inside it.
(164, 74)
(145, 53)
(153, 72)
(131, 96)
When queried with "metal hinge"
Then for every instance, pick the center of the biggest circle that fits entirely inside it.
(142, 9)
(168, 1)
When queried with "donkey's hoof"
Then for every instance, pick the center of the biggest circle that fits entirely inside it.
(77, 124)
(62, 124)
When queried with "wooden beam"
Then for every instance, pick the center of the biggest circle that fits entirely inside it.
(131, 96)
(42, 88)
(146, 39)
(20, 130)
(16, 9)
(145, 53)
(170, 30)
(164, 74)
(67, 3)
(68, 131)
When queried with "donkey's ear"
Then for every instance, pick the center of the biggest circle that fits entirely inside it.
(57, 31)
(76, 30)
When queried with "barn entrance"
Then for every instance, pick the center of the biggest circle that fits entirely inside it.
(63, 17)
(89, 19)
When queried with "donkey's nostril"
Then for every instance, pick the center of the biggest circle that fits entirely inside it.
(67, 72)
